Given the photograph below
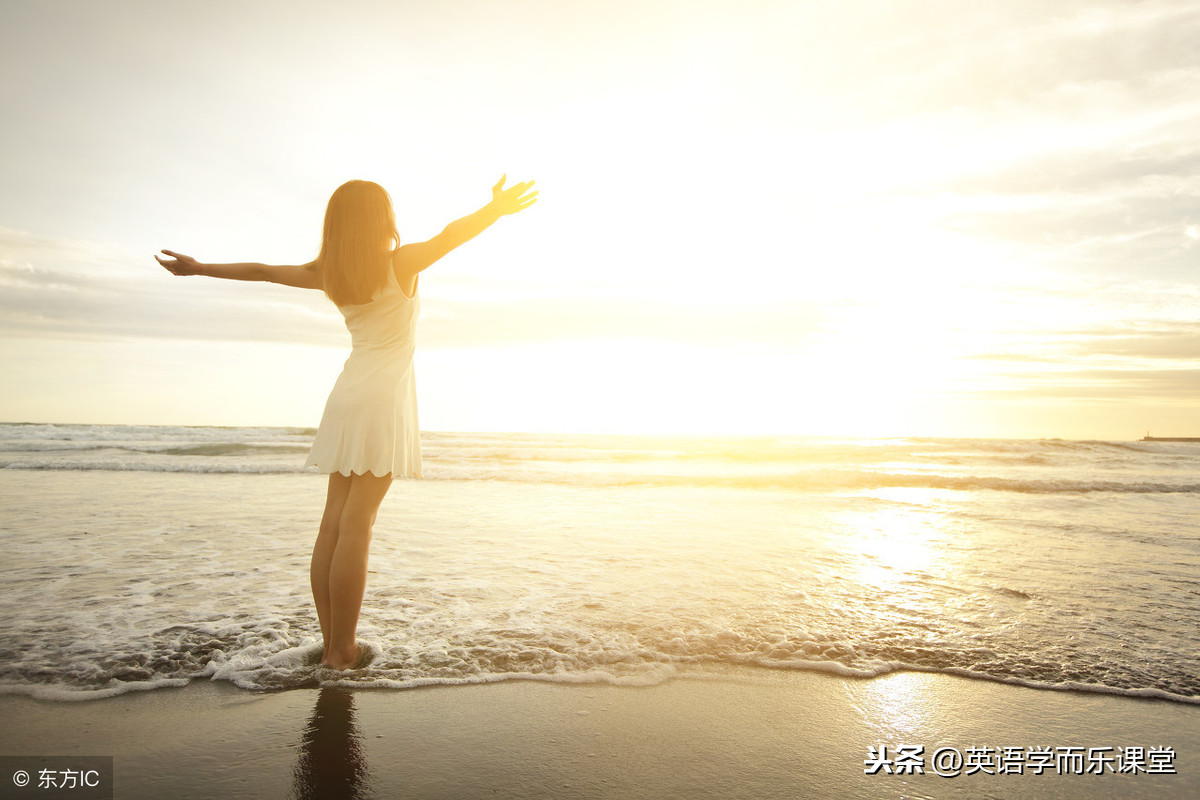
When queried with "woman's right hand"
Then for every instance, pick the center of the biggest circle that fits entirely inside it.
(179, 263)
(513, 199)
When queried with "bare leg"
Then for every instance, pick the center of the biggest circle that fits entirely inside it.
(322, 556)
(348, 567)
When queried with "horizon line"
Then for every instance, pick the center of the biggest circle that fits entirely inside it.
(659, 434)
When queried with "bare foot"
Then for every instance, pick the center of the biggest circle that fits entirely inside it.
(342, 661)
(339, 663)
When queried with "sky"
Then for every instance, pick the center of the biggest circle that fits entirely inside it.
(852, 218)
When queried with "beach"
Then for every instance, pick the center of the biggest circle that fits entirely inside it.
(610, 617)
(829, 428)
(770, 735)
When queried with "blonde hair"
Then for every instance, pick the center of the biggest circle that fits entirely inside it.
(360, 233)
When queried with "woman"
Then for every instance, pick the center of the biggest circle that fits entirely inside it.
(368, 433)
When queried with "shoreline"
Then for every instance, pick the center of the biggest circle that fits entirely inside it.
(751, 734)
(52, 694)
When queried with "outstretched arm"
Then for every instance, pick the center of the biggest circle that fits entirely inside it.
(413, 258)
(304, 276)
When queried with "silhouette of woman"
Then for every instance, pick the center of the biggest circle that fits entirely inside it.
(368, 432)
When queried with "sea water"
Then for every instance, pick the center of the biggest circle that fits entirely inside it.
(142, 557)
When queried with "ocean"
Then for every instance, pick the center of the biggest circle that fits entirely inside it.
(141, 557)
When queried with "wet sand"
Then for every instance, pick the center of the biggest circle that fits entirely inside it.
(754, 735)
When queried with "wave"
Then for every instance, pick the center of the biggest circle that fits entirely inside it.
(277, 659)
(774, 463)
(807, 480)
(198, 449)
(74, 432)
(129, 466)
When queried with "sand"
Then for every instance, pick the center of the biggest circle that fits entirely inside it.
(754, 735)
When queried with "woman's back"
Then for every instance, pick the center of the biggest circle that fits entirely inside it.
(370, 420)
(387, 321)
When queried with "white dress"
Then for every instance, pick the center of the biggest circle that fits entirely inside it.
(370, 419)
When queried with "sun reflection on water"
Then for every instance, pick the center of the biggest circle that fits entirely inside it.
(901, 705)
(895, 545)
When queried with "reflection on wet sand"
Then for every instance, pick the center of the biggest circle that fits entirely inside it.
(332, 761)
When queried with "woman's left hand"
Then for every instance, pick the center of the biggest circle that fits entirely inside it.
(513, 199)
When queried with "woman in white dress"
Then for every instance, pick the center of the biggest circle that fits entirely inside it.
(368, 432)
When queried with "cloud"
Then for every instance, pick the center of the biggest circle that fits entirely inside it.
(1174, 342)
(1164, 386)
(1066, 128)
(63, 288)
(1005, 57)
(1148, 362)
(91, 291)
(1094, 170)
